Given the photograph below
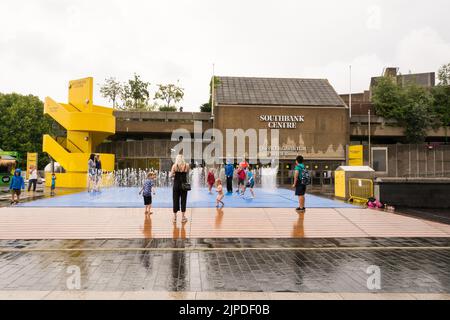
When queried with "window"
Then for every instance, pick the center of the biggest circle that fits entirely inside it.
(380, 159)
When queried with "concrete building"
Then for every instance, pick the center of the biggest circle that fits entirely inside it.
(312, 119)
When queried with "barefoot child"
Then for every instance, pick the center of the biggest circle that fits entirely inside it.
(220, 195)
(250, 182)
(211, 179)
(146, 191)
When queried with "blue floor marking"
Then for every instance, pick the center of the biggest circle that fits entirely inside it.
(129, 198)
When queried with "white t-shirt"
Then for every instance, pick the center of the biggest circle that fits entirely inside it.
(33, 174)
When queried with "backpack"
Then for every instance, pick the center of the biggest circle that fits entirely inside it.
(306, 177)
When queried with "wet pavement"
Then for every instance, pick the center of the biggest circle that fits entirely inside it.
(128, 197)
(259, 249)
(30, 196)
(419, 265)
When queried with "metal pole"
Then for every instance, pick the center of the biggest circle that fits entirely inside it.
(370, 152)
(212, 95)
(350, 96)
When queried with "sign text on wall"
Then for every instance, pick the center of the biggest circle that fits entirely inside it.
(281, 121)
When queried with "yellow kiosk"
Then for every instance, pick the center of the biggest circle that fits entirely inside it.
(87, 126)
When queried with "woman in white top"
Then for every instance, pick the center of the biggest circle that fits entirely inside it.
(32, 178)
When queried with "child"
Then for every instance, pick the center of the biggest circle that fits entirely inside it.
(146, 191)
(16, 185)
(241, 179)
(220, 194)
(250, 182)
(211, 179)
(53, 187)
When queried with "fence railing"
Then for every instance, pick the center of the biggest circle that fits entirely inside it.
(360, 190)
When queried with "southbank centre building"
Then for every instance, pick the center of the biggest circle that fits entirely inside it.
(311, 119)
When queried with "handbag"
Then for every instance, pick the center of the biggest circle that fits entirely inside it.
(186, 186)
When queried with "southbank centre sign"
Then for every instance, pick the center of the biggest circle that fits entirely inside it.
(281, 121)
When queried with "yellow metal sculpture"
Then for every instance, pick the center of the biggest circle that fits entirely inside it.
(87, 126)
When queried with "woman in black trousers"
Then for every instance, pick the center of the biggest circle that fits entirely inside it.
(180, 170)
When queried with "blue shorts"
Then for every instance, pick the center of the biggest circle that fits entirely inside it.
(300, 189)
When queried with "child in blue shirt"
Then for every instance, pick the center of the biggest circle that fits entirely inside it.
(250, 182)
(147, 191)
(53, 186)
(16, 185)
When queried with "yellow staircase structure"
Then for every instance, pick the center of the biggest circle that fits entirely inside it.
(87, 126)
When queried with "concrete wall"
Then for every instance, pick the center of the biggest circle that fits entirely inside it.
(324, 133)
(412, 160)
(159, 122)
(413, 192)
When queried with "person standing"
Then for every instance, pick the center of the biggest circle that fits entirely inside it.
(92, 172)
(98, 172)
(16, 185)
(147, 191)
(211, 180)
(229, 170)
(32, 181)
(53, 186)
(179, 171)
(300, 187)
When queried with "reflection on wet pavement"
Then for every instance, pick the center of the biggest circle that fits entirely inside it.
(255, 265)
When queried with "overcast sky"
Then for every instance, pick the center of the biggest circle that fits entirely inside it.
(44, 44)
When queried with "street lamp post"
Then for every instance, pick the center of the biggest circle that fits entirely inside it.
(370, 153)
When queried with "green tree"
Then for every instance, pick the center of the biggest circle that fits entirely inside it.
(444, 75)
(386, 97)
(411, 106)
(23, 125)
(111, 90)
(441, 103)
(166, 108)
(416, 113)
(135, 94)
(206, 107)
(170, 95)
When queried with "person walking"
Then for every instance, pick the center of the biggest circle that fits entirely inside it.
(179, 171)
(250, 182)
(220, 195)
(32, 181)
(92, 172)
(241, 180)
(229, 170)
(147, 190)
(16, 185)
(300, 187)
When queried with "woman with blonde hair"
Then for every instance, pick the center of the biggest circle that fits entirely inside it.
(180, 170)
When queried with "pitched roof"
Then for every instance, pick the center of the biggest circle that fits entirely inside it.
(276, 91)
